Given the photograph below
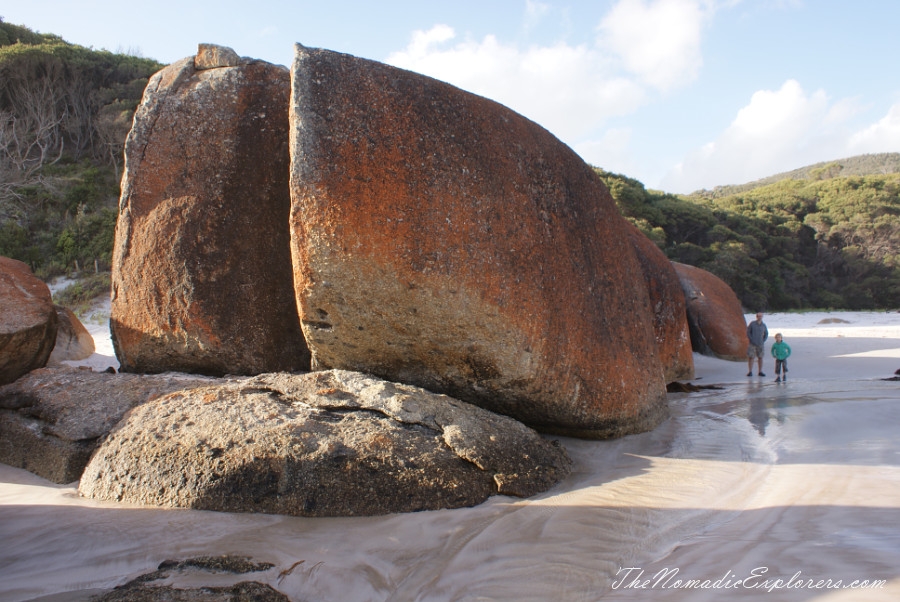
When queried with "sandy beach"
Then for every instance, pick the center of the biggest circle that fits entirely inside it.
(756, 490)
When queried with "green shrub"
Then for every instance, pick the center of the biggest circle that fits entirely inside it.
(81, 294)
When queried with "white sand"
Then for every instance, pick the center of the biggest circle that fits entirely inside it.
(757, 481)
(96, 320)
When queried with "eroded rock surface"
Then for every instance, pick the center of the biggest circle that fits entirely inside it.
(443, 240)
(28, 321)
(332, 443)
(201, 276)
(213, 56)
(670, 323)
(715, 316)
(52, 418)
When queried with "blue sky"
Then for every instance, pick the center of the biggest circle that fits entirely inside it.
(679, 94)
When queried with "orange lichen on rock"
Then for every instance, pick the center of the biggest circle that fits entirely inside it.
(715, 316)
(28, 321)
(443, 240)
(670, 323)
(202, 267)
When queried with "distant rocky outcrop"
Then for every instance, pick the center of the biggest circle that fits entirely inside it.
(443, 240)
(201, 276)
(331, 443)
(52, 419)
(714, 312)
(28, 321)
(670, 323)
(73, 341)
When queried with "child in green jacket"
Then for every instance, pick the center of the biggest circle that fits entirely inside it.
(780, 351)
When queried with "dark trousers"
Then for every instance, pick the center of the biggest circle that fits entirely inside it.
(779, 364)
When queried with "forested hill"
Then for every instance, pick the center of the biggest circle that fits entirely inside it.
(831, 242)
(861, 165)
(64, 113)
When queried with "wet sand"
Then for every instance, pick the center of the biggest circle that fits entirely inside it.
(757, 490)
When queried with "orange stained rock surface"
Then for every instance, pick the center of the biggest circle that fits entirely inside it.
(28, 320)
(715, 314)
(201, 268)
(478, 219)
(670, 323)
(26, 300)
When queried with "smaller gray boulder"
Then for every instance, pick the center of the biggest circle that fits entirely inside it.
(333, 443)
(73, 341)
(51, 419)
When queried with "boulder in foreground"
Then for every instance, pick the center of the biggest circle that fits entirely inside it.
(714, 312)
(442, 240)
(52, 419)
(28, 321)
(331, 443)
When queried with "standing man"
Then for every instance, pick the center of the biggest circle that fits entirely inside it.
(757, 333)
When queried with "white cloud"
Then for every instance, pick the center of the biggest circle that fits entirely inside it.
(782, 130)
(424, 41)
(534, 13)
(641, 50)
(611, 151)
(777, 131)
(780, 116)
(569, 89)
(880, 137)
(658, 41)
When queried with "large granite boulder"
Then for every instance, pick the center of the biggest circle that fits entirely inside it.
(28, 321)
(442, 240)
(331, 443)
(52, 419)
(201, 276)
(715, 316)
(670, 323)
(73, 341)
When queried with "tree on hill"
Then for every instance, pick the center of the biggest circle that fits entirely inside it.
(12, 34)
(798, 243)
(861, 165)
(64, 113)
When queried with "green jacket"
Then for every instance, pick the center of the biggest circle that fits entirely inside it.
(781, 351)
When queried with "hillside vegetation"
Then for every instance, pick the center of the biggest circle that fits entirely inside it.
(792, 244)
(825, 236)
(861, 165)
(64, 113)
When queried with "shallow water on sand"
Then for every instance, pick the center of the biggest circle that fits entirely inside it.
(797, 477)
(803, 476)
